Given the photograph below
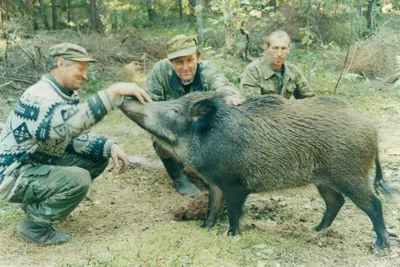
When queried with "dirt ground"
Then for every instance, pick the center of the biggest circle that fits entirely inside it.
(128, 220)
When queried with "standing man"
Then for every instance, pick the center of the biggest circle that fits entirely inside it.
(47, 157)
(180, 73)
(272, 74)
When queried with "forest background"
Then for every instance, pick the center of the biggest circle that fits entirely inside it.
(346, 48)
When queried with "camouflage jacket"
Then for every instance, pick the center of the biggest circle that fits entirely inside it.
(162, 83)
(260, 79)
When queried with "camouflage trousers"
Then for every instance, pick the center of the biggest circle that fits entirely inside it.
(52, 192)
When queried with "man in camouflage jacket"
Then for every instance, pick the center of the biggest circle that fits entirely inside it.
(47, 157)
(179, 74)
(272, 74)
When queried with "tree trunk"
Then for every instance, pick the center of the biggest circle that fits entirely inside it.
(373, 8)
(54, 13)
(69, 12)
(35, 13)
(180, 9)
(308, 27)
(95, 23)
(114, 20)
(199, 20)
(229, 23)
(149, 9)
(43, 13)
(21, 7)
(4, 13)
(359, 20)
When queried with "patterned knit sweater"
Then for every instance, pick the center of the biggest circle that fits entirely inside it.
(46, 122)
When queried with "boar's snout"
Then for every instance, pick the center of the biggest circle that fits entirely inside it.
(134, 110)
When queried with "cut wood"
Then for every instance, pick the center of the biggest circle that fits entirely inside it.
(145, 163)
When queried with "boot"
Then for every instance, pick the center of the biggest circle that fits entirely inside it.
(182, 183)
(34, 233)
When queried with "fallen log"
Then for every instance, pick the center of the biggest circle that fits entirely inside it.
(145, 163)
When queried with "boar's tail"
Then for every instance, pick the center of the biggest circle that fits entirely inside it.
(380, 185)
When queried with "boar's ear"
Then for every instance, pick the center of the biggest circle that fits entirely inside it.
(202, 114)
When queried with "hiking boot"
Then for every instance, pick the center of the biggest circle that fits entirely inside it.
(182, 183)
(34, 233)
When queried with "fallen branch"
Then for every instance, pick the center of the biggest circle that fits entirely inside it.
(341, 72)
(393, 154)
(147, 56)
(5, 84)
(145, 163)
(124, 58)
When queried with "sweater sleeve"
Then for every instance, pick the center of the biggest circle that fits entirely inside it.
(91, 145)
(59, 120)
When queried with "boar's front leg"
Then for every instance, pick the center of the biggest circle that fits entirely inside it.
(214, 203)
(234, 199)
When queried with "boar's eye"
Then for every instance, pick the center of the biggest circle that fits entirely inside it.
(173, 112)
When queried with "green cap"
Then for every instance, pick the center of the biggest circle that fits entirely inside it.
(71, 52)
(181, 45)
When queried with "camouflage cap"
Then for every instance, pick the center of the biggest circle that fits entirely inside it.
(71, 52)
(181, 45)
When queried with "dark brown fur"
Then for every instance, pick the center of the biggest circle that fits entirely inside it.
(268, 143)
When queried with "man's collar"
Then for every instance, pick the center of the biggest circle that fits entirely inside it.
(59, 86)
(268, 71)
(267, 68)
(176, 83)
(197, 83)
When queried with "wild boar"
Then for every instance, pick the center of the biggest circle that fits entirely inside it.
(269, 143)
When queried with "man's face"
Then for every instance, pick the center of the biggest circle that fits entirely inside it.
(277, 51)
(185, 66)
(74, 75)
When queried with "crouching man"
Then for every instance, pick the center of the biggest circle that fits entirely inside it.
(183, 72)
(47, 157)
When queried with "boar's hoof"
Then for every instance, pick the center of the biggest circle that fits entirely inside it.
(319, 228)
(207, 223)
(233, 232)
(185, 186)
(382, 242)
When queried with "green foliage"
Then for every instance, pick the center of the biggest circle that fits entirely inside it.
(327, 20)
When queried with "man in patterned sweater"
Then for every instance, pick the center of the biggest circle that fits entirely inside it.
(47, 157)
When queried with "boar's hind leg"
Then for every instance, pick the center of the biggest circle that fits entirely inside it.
(333, 201)
(365, 199)
(214, 204)
(234, 199)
